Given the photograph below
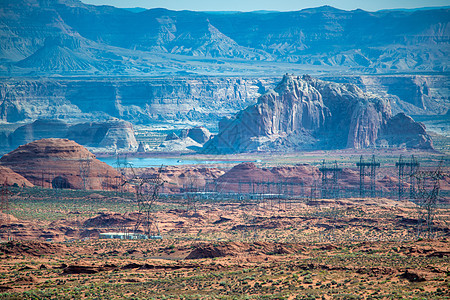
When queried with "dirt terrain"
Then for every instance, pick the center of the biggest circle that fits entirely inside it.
(173, 269)
(265, 249)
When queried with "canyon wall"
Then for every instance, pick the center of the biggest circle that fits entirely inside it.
(309, 113)
(139, 100)
(205, 99)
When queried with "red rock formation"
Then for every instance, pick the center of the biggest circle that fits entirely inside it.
(247, 172)
(9, 177)
(179, 176)
(57, 163)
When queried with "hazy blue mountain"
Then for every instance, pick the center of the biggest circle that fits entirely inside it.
(108, 40)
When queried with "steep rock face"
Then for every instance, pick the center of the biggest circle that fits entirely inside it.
(356, 117)
(139, 100)
(411, 94)
(293, 107)
(39, 129)
(57, 163)
(305, 113)
(109, 134)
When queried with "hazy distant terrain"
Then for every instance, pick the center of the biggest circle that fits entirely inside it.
(69, 37)
(62, 59)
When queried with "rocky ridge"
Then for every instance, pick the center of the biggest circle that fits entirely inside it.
(308, 113)
(57, 162)
(52, 37)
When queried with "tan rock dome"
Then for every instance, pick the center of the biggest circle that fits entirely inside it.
(57, 163)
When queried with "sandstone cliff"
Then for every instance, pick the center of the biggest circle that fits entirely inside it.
(57, 163)
(411, 94)
(308, 113)
(293, 108)
(108, 134)
(151, 100)
(138, 100)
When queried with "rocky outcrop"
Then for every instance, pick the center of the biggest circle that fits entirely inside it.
(179, 177)
(117, 134)
(109, 134)
(411, 94)
(189, 140)
(9, 177)
(172, 137)
(39, 129)
(247, 172)
(179, 145)
(356, 117)
(308, 113)
(57, 163)
(199, 134)
(293, 108)
(403, 131)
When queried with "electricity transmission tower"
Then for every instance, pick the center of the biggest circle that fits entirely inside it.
(147, 193)
(85, 169)
(428, 188)
(406, 169)
(4, 206)
(367, 168)
(330, 174)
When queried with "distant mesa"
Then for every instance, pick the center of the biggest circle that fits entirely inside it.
(307, 113)
(114, 134)
(56, 163)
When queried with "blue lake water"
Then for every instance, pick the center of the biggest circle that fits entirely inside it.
(142, 162)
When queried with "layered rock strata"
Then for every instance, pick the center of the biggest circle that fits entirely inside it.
(308, 113)
(61, 163)
(109, 134)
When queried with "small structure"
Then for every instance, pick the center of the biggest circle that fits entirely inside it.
(128, 236)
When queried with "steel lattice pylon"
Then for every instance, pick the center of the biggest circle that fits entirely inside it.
(367, 168)
(428, 188)
(406, 169)
(85, 169)
(147, 193)
(4, 206)
(330, 175)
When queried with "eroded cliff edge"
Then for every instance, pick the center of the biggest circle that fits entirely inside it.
(309, 113)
